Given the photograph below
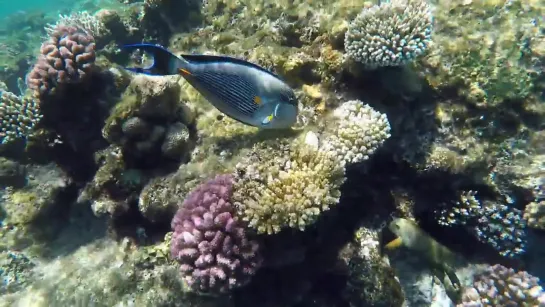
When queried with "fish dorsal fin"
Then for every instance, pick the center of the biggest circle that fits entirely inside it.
(201, 58)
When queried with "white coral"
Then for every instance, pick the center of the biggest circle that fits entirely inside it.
(390, 34)
(360, 131)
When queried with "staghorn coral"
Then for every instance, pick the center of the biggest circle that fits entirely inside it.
(210, 243)
(66, 57)
(390, 34)
(18, 116)
(359, 133)
(495, 224)
(501, 286)
(286, 188)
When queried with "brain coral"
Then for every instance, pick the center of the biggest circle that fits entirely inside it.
(390, 34)
(18, 115)
(360, 132)
(66, 57)
(210, 243)
(286, 189)
(501, 286)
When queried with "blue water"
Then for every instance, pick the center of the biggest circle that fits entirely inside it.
(50, 7)
(8, 7)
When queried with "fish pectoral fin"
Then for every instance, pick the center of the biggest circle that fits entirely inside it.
(394, 244)
(183, 71)
(268, 119)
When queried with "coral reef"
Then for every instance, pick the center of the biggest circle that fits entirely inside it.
(391, 124)
(485, 61)
(18, 116)
(390, 34)
(66, 57)
(359, 132)
(15, 271)
(152, 118)
(372, 281)
(492, 223)
(211, 244)
(287, 189)
(501, 286)
(534, 214)
(104, 272)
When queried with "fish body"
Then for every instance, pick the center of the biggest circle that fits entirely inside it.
(411, 236)
(243, 91)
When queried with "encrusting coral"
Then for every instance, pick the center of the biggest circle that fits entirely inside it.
(66, 57)
(210, 242)
(390, 34)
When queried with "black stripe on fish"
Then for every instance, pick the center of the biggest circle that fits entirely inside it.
(201, 58)
(232, 89)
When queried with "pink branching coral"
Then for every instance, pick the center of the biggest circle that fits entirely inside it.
(210, 243)
(66, 57)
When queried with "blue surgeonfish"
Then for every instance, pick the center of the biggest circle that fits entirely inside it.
(243, 91)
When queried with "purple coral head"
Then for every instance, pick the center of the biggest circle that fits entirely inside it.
(66, 57)
(210, 243)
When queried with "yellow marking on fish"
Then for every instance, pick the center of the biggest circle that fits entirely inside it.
(184, 71)
(267, 119)
(394, 244)
(257, 100)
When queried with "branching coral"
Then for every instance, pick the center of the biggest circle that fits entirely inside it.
(288, 189)
(66, 57)
(390, 34)
(359, 132)
(81, 20)
(498, 225)
(18, 116)
(501, 286)
(210, 243)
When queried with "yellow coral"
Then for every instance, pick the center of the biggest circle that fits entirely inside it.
(534, 214)
(287, 191)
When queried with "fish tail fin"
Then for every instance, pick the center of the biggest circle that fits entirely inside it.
(164, 61)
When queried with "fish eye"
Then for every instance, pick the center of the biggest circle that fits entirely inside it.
(219, 117)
